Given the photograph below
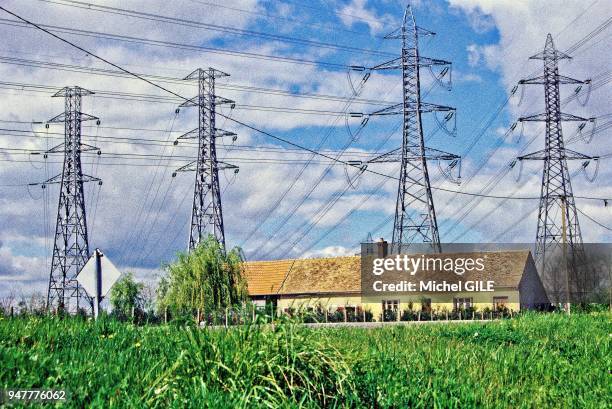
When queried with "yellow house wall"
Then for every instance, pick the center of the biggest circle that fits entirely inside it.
(330, 302)
(444, 301)
(439, 301)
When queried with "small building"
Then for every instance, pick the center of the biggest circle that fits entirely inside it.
(334, 282)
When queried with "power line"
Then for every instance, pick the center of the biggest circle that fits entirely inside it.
(593, 220)
(478, 137)
(42, 28)
(127, 96)
(354, 16)
(494, 180)
(161, 143)
(175, 80)
(207, 26)
(294, 21)
(168, 44)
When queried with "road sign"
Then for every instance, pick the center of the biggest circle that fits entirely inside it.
(109, 275)
(97, 277)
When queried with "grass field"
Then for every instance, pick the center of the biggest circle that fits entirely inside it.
(534, 361)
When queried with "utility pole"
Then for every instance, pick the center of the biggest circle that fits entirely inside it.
(415, 215)
(71, 244)
(558, 233)
(206, 213)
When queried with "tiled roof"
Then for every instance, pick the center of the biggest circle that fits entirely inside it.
(299, 276)
(265, 277)
(343, 274)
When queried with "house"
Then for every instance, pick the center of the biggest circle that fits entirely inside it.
(337, 282)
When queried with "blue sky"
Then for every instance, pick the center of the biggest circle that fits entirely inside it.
(140, 215)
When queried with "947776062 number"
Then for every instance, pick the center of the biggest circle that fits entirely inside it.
(32, 394)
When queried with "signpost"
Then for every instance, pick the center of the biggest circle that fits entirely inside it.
(97, 277)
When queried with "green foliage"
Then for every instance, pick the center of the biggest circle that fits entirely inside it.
(206, 279)
(533, 361)
(125, 295)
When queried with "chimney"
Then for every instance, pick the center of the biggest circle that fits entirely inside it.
(382, 248)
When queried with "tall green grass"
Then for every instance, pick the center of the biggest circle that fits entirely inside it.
(534, 361)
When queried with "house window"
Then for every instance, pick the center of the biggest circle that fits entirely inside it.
(426, 304)
(463, 303)
(499, 303)
(390, 305)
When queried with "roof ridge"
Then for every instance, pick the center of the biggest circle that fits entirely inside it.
(298, 259)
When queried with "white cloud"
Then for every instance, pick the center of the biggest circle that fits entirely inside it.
(474, 55)
(142, 243)
(522, 28)
(331, 251)
(357, 12)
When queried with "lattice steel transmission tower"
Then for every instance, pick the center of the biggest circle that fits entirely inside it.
(206, 213)
(558, 230)
(414, 190)
(71, 244)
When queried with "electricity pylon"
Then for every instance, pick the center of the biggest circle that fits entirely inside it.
(414, 189)
(206, 213)
(71, 244)
(558, 230)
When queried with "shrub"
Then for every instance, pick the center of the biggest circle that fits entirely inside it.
(207, 279)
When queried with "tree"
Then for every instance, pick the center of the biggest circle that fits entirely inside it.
(126, 294)
(206, 279)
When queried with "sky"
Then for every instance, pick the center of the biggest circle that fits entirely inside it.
(286, 202)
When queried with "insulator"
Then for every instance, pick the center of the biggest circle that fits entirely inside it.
(521, 133)
(236, 171)
(99, 152)
(176, 142)
(350, 81)
(98, 122)
(173, 174)
(177, 110)
(592, 178)
(522, 94)
(45, 156)
(99, 183)
(514, 89)
(581, 126)
(448, 172)
(441, 125)
(47, 126)
(588, 93)
(438, 78)
(232, 105)
(234, 138)
(351, 180)
(520, 170)
(44, 186)
(513, 127)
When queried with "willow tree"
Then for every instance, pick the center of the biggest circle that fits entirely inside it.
(206, 279)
